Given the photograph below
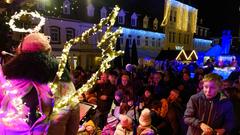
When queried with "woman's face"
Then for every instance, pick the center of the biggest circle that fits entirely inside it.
(124, 81)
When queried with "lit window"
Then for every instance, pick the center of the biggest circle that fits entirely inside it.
(171, 15)
(121, 17)
(145, 22)
(70, 33)
(201, 32)
(159, 42)
(153, 42)
(174, 16)
(173, 37)
(103, 12)
(155, 24)
(55, 34)
(90, 10)
(179, 38)
(134, 20)
(205, 33)
(121, 39)
(170, 37)
(138, 41)
(130, 40)
(66, 7)
(146, 41)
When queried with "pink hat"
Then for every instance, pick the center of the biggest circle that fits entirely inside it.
(35, 42)
(125, 121)
(145, 118)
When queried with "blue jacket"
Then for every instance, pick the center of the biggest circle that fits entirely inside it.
(217, 113)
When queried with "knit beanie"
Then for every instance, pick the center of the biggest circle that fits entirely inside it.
(125, 121)
(145, 118)
(35, 42)
(119, 93)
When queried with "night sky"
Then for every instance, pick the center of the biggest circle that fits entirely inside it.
(220, 15)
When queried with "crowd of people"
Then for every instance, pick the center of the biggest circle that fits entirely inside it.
(172, 100)
(167, 101)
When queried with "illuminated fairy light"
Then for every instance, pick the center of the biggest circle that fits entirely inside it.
(106, 45)
(108, 54)
(167, 9)
(16, 111)
(17, 16)
(186, 16)
(185, 55)
(192, 53)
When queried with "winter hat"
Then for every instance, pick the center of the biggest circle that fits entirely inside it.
(119, 93)
(111, 119)
(145, 118)
(125, 121)
(147, 131)
(35, 42)
(90, 124)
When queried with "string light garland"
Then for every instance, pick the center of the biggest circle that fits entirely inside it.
(17, 16)
(18, 111)
(108, 54)
(106, 44)
(186, 16)
(189, 58)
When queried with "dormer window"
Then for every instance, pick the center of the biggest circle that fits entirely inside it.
(134, 20)
(155, 24)
(66, 7)
(121, 17)
(103, 12)
(90, 10)
(145, 22)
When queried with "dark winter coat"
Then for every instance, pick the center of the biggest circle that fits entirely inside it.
(217, 113)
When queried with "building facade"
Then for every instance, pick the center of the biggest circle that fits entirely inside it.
(142, 22)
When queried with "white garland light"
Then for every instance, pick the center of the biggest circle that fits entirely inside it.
(17, 16)
(106, 44)
(108, 54)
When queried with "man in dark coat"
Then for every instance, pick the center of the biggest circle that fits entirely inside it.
(105, 94)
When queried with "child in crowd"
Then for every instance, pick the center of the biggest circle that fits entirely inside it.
(209, 111)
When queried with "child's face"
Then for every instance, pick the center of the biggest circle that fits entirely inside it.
(117, 98)
(210, 89)
(147, 93)
(130, 102)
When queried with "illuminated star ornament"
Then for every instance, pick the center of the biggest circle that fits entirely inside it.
(108, 54)
(17, 16)
(106, 45)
